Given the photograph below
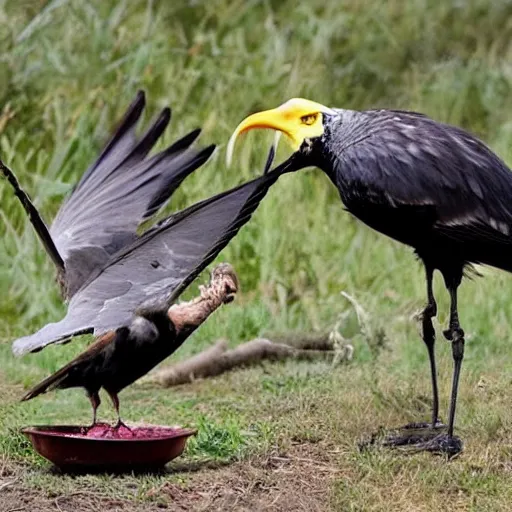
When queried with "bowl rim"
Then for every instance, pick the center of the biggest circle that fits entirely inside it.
(38, 430)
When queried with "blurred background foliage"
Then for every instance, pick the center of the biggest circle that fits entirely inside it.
(69, 68)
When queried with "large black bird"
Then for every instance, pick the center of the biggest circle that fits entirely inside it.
(121, 190)
(426, 184)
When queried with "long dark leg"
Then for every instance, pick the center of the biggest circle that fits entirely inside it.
(95, 400)
(413, 432)
(456, 335)
(421, 436)
(429, 337)
(115, 402)
(448, 443)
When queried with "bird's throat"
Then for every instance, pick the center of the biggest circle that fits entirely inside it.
(191, 314)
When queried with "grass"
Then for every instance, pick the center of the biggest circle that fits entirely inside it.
(68, 68)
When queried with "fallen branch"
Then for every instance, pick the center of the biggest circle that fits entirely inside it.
(306, 341)
(217, 359)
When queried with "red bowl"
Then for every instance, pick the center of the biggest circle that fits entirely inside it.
(69, 447)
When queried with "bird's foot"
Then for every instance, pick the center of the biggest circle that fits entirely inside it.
(442, 444)
(93, 425)
(416, 437)
(121, 424)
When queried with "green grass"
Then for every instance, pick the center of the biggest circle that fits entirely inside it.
(67, 71)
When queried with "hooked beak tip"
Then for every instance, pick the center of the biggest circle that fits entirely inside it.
(230, 148)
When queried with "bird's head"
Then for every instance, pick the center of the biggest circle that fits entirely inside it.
(299, 119)
(224, 277)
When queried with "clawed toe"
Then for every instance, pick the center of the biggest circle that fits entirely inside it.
(442, 444)
(416, 437)
(120, 424)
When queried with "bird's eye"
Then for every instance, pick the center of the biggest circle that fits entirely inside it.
(309, 119)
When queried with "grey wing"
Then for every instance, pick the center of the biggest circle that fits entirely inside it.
(120, 190)
(402, 158)
(119, 207)
(157, 267)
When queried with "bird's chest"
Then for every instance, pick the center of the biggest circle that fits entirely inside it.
(134, 358)
(408, 223)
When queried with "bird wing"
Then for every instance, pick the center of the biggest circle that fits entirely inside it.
(398, 158)
(120, 190)
(154, 271)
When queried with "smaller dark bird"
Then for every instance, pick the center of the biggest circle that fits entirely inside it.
(118, 358)
(429, 185)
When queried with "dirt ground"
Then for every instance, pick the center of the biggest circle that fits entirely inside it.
(294, 481)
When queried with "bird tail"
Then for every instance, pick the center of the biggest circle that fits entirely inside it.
(57, 380)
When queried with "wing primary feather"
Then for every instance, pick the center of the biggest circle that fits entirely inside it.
(270, 160)
(35, 218)
(184, 143)
(174, 180)
(130, 118)
(149, 139)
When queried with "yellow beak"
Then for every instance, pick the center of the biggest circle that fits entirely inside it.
(272, 119)
(288, 119)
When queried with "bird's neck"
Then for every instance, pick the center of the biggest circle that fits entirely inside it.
(160, 321)
(325, 161)
(193, 313)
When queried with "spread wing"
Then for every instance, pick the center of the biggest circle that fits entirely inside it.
(156, 268)
(396, 158)
(119, 191)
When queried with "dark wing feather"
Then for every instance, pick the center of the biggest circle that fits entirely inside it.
(155, 269)
(121, 142)
(120, 190)
(34, 217)
(395, 158)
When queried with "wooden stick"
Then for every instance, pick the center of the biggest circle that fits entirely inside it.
(191, 369)
(218, 359)
(305, 341)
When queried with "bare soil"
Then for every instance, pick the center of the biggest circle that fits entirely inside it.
(298, 480)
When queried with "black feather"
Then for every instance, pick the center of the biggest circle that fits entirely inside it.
(35, 218)
(424, 183)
